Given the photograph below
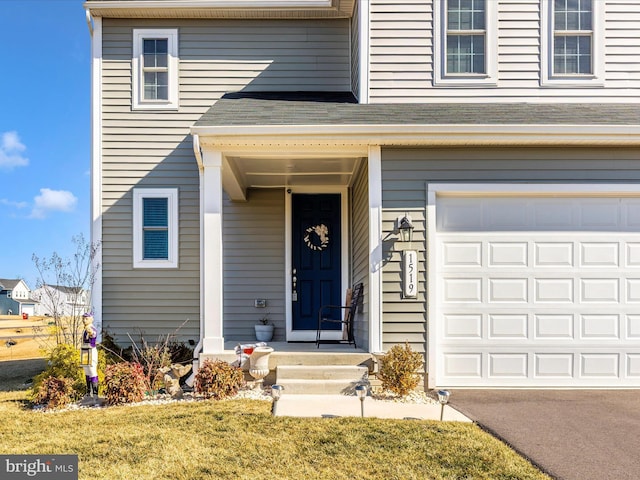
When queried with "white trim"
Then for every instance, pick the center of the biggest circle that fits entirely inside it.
(171, 194)
(440, 77)
(310, 335)
(96, 169)
(363, 96)
(375, 248)
(154, 5)
(137, 101)
(547, 77)
(422, 135)
(434, 190)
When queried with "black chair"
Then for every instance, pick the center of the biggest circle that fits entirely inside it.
(354, 298)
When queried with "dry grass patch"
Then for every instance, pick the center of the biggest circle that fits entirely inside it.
(239, 439)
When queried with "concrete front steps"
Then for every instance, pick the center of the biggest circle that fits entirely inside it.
(305, 369)
(320, 379)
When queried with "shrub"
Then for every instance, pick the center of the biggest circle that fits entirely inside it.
(398, 369)
(54, 392)
(125, 383)
(218, 379)
(63, 361)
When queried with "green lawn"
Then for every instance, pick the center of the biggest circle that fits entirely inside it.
(239, 439)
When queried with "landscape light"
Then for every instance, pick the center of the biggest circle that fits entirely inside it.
(443, 398)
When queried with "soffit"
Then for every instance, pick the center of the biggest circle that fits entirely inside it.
(237, 9)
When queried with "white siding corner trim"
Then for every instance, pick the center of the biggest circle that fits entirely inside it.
(96, 167)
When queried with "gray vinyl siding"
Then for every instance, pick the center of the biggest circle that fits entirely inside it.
(406, 173)
(360, 250)
(403, 47)
(154, 149)
(254, 263)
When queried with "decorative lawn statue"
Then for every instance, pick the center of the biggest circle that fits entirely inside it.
(89, 355)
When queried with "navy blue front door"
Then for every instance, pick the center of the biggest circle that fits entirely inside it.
(316, 257)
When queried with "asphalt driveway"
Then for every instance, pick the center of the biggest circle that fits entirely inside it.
(569, 434)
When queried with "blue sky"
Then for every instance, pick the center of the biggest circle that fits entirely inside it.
(45, 147)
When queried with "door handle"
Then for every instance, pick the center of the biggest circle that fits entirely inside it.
(294, 292)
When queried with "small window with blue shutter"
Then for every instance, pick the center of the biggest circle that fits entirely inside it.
(155, 228)
(155, 224)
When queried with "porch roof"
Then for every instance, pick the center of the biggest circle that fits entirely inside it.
(278, 139)
(340, 108)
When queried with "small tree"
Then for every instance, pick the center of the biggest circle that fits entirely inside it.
(65, 286)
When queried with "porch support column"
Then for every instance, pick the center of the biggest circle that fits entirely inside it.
(211, 252)
(375, 249)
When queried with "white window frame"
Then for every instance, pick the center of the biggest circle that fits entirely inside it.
(8, 293)
(139, 194)
(137, 64)
(547, 77)
(440, 76)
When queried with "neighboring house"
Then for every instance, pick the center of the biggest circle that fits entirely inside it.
(61, 301)
(269, 150)
(15, 298)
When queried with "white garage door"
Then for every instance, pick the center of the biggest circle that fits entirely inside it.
(537, 291)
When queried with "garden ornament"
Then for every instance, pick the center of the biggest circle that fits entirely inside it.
(89, 355)
(172, 376)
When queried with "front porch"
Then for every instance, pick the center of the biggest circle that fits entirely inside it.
(260, 242)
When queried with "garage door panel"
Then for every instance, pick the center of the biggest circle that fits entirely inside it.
(600, 290)
(466, 254)
(508, 290)
(633, 365)
(554, 365)
(458, 290)
(600, 365)
(509, 326)
(554, 326)
(512, 365)
(554, 290)
(537, 291)
(554, 254)
(599, 254)
(508, 254)
(633, 290)
(633, 254)
(463, 365)
(600, 327)
(633, 327)
(462, 326)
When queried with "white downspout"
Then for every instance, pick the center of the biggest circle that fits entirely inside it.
(198, 348)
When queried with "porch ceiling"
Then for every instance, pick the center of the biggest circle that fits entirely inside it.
(290, 171)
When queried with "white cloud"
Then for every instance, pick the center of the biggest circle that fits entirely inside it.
(53, 201)
(11, 203)
(10, 148)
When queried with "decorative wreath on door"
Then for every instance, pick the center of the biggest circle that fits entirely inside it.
(320, 240)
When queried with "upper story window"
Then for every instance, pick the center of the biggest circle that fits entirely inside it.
(155, 69)
(466, 42)
(572, 32)
(466, 36)
(572, 37)
(155, 228)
